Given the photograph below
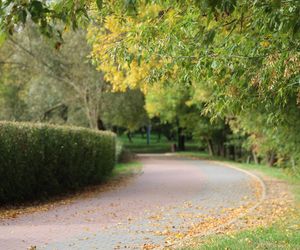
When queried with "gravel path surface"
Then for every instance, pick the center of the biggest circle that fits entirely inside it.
(153, 209)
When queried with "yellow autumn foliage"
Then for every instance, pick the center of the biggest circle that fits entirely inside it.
(121, 72)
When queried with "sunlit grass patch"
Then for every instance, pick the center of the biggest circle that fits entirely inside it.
(129, 168)
(278, 236)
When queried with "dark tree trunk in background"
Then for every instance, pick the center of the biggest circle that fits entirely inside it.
(115, 130)
(181, 143)
(158, 135)
(210, 147)
(222, 149)
(62, 109)
(170, 137)
(231, 152)
(129, 136)
(148, 134)
(234, 153)
(181, 139)
(271, 159)
(142, 130)
(64, 113)
(100, 124)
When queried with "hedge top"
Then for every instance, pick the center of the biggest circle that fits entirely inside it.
(66, 128)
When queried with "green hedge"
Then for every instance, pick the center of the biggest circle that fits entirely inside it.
(38, 160)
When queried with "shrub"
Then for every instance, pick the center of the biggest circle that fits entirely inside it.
(119, 149)
(38, 160)
(123, 155)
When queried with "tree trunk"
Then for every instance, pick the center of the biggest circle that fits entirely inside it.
(158, 136)
(129, 137)
(210, 147)
(234, 153)
(148, 134)
(293, 164)
(100, 124)
(255, 158)
(142, 133)
(248, 159)
(222, 149)
(271, 159)
(181, 140)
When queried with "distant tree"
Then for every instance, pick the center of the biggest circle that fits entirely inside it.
(125, 110)
(56, 78)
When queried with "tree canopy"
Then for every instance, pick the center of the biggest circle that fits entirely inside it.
(235, 60)
(218, 63)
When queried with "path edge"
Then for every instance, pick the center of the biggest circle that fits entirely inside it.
(179, 244)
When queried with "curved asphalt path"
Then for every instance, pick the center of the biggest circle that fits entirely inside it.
(169, 196)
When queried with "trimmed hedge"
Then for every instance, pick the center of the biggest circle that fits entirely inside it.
(38, 160)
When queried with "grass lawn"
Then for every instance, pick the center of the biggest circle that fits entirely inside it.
(278, 236)
(139, 144)
(283, 234)
(124, 169)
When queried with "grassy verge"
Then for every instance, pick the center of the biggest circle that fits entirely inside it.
(125, 169)
(283, 234)
(278, 236)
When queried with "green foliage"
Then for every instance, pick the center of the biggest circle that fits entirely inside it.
(223, 59)
(39, 83)
(231, 59)
(124, 109)
(45, 14)
(38, 160)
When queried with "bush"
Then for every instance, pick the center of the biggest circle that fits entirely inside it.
(119, 149)
(38, 160)
(123, 155)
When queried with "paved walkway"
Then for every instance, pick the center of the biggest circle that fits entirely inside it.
(170, 197)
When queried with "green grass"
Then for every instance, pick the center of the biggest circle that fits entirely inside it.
(125, 169)
(139, 144)
(275, 237)
(281, 235)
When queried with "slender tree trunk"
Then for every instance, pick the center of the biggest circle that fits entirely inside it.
(181, 140)
(100, 124)
(255, 158)
(271, 158)
(158, 136)
(248, 159)
(90, 115)
(148, 134)
(210, 147)
(234, 153)
(129, 137)
(293, 164)
(142, 133)
(225, 151)
(222, 149)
